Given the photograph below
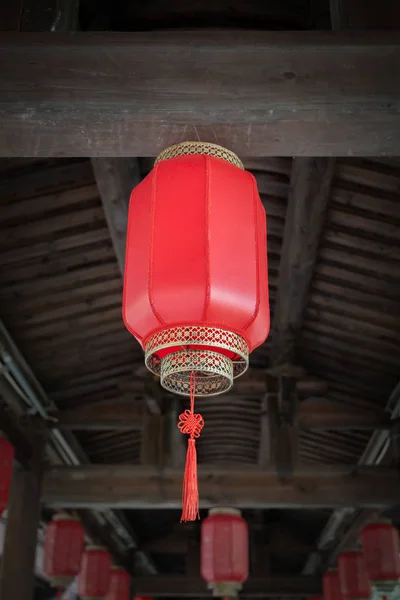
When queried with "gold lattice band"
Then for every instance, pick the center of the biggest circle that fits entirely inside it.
(186, 148)
(215, 371)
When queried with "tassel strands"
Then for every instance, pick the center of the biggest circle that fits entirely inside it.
(190, 424)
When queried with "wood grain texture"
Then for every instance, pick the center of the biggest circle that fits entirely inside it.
(259, 93)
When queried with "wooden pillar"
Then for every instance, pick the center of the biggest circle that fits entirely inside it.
(17, 566)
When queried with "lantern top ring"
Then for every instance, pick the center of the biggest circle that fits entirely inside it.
(204, 148)
(216, 356)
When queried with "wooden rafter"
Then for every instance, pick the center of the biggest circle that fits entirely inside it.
(311, 93)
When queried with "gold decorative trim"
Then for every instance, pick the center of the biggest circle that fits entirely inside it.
(187, 148)
(215, 371)
(61, 581)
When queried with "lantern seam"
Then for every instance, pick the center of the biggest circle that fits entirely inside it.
(151, 258)
(126, 270)
(257, 245)
(207, 238)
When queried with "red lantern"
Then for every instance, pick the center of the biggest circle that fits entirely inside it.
(196, 286)
(224, 551)
(380, 542)
(63, 549)
(353, 576)
(6, 467)
(94, 577)
(120, 582)
(331, 585)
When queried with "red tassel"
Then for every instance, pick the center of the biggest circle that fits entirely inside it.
(191, 424)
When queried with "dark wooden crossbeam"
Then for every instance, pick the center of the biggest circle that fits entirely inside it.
(313, 414)
(314, 93)
(255, 587)
(128, 486)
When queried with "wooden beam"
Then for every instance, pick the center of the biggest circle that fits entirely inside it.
(313, 413)
(128, 486)
(365, 14)
(115, 179)
(310, 185)
(255, 587)
(259, 93)
(17, 565)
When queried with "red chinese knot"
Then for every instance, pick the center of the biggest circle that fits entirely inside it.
(353, 576)
(63, 549)
(119, 588)
(6, 468)
(224, 551)
(380, 542)
(94, 576)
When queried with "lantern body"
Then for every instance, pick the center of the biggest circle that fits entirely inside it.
(6, 468)
(331, 585)
(195, 287)
(353, 576)
(63, 549)
(380, 542)
(94, 577)
(119, 588)
(224, 551)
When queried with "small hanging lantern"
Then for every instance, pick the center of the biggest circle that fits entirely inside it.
(331, 585)
(63, 549)
(353, 576)
(380, 542)
(224, 551)
(196, 279)
(94, 577)
(119, 588)
(6, 468)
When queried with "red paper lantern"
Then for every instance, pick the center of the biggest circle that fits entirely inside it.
(196, 288)
(94, 577)
(6, 468)
(63, 549)
(196, 279)
(120, 582)
(380, 542)
(353, 576)
(331, 585)
(224, 551)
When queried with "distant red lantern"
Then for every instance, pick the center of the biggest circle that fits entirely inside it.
(353, 576)
(331, 585)
(119, 588)
(380, 542)
(196, 279)
(94, 577)
(63, 549)
(6, 468)
(224, 551)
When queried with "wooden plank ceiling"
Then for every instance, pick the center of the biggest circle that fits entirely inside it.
(61, 299)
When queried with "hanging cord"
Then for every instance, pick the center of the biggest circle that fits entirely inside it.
(190, 424)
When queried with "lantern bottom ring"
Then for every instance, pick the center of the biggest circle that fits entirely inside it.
(214, 372)
(386, 586)
(223, 589)
(216, 356)
(61, 582)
